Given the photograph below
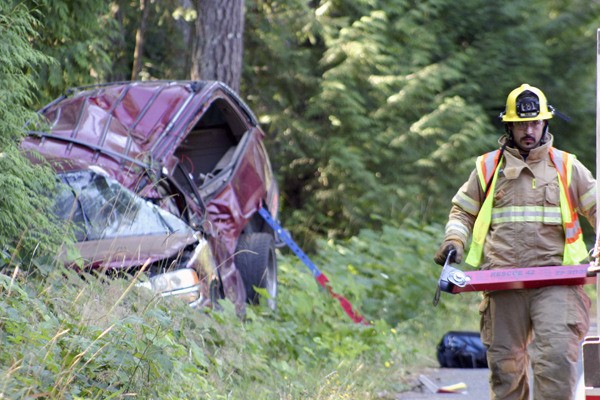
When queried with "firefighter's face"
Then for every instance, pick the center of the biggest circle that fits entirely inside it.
(528, 135)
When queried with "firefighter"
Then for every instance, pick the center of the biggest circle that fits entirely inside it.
(520, 207)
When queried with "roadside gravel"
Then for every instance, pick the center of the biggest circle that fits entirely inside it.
(476, 381)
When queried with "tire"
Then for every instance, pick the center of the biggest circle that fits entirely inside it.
(256, 261)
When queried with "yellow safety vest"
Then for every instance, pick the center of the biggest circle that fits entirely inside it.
(488, 166)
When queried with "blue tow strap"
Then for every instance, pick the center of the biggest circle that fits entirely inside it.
(319, 276)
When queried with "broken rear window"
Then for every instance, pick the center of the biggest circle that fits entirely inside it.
(101, 208)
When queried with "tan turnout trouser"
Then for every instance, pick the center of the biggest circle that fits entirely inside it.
(543, 326)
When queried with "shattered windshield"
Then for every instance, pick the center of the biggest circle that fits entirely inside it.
(101, 208)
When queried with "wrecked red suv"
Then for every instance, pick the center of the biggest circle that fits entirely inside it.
(168, 176)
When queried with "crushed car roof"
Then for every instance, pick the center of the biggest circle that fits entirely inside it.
(126, 126)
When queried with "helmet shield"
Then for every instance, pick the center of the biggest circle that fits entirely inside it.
(526, 103)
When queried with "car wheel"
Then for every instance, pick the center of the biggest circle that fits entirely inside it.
(257, 262)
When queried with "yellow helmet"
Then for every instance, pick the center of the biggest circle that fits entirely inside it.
(526, 103)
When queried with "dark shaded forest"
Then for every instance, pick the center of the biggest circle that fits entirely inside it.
(374, 110)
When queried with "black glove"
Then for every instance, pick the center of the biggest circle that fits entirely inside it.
(442, 254)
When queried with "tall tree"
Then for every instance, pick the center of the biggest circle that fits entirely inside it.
(218, 48)
(140, 39)
(151, 39)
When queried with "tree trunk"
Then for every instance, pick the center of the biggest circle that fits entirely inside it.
(219, 42)
(139, 40)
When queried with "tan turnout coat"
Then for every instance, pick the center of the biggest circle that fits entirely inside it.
(530, 182)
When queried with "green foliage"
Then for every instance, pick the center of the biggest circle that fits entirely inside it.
(377, 109)
(85, 347)
(77, 35)
(571, 33)
(393, 272)
(16, 86)
(27, 227)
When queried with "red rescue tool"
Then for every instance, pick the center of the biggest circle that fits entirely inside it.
(454, 280)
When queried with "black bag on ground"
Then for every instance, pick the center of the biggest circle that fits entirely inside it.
(461, 350)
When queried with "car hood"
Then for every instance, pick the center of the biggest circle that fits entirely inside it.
(127, 252)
